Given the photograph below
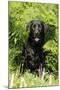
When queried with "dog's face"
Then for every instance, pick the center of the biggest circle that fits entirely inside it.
(36, 28)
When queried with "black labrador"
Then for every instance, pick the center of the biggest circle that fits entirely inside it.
(33, 55)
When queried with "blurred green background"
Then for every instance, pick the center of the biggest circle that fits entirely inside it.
(20, 14)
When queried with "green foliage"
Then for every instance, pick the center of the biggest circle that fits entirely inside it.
(20, 14)
(30, 80)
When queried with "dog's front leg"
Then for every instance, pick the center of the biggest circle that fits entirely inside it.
(40, 70)
(22, 66)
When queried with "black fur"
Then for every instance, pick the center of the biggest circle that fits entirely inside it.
(33, 54)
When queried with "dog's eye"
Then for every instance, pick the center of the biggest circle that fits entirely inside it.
(33, 26)
(39, 25)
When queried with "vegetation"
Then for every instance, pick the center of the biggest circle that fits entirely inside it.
(20, 14)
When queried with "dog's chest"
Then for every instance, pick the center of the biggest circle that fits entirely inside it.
(32, 57)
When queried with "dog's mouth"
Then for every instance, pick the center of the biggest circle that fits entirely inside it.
(36, 39)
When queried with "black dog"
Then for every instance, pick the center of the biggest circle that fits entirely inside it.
(33, 55)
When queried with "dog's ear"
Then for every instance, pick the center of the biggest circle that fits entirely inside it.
(45, 27)
(28, 27)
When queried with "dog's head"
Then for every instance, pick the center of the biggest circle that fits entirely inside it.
(37, 29)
